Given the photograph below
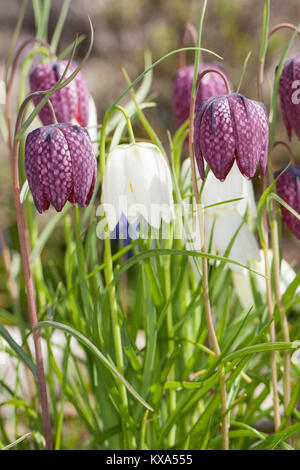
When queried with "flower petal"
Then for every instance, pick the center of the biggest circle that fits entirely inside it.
(217, 140)
(288, 188)
(92, 126)
(113, 186)
(70, 102)
(264, 129)
(65, 101)
(83, 161)
(32, 171)
(245, 123)
(290, 110)
(182, 90)
(137, 182)
(55, 166)
(43, 77)
(82, 93)
(91, 190)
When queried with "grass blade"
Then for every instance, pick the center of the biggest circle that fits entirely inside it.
(18, 350)
(94, 350)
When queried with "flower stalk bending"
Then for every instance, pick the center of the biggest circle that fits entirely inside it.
(275, 246)
(25, 254)
(207, 306)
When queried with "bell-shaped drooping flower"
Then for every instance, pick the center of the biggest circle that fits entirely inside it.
(231, 127)
(288, 90)
(223, 222)
(137, 182)
(60, 166)
(288, 188)
(211, 84)
(70, 102)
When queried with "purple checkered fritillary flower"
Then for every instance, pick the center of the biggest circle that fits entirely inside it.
(288, 188)
(229, 127)
(60, 166)
(287, 94)
(70, 102)
(210, 85)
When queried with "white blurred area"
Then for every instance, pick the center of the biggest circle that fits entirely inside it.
(17, 376)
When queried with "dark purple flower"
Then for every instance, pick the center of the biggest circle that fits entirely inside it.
(70, 102)
(60, 165)
(229, 127)
(289, 100)
(288, 188)
(211, 84)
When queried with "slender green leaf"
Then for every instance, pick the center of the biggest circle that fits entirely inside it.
(17, 441)
(60, 24)
(94, 350)
(257, 348)
(18, 350)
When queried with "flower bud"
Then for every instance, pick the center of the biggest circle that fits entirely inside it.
(60, 165)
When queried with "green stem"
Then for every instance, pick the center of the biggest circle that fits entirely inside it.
(150, 131)
(282, 314)
(200, 214)
(38, 275)
(264, 240)
(63, 395)
(108, 273)
(171, 345)
(129, 126)
(84, 287)
(25, 254)
(271, 331)
(109, 276)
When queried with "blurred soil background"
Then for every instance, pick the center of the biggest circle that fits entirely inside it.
(124, 29)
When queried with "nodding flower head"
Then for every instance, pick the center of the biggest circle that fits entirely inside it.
(289, 96)
(137, 182)
(60, 165)
(70, 102)
(211, 84)
(229, 127)
(288, 188)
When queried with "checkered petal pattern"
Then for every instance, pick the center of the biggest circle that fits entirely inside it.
(70, 102)
(211, 84)
(288, 188)
(60, 165)
(289, 96)
(229, 127)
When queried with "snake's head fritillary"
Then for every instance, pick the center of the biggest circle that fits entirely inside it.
(137, 183)
(290, 105)
(229, 127)
(70, 102)
(60, 165)
(211, 84)
(288, 188)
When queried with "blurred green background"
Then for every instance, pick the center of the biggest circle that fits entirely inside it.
(124, 29)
